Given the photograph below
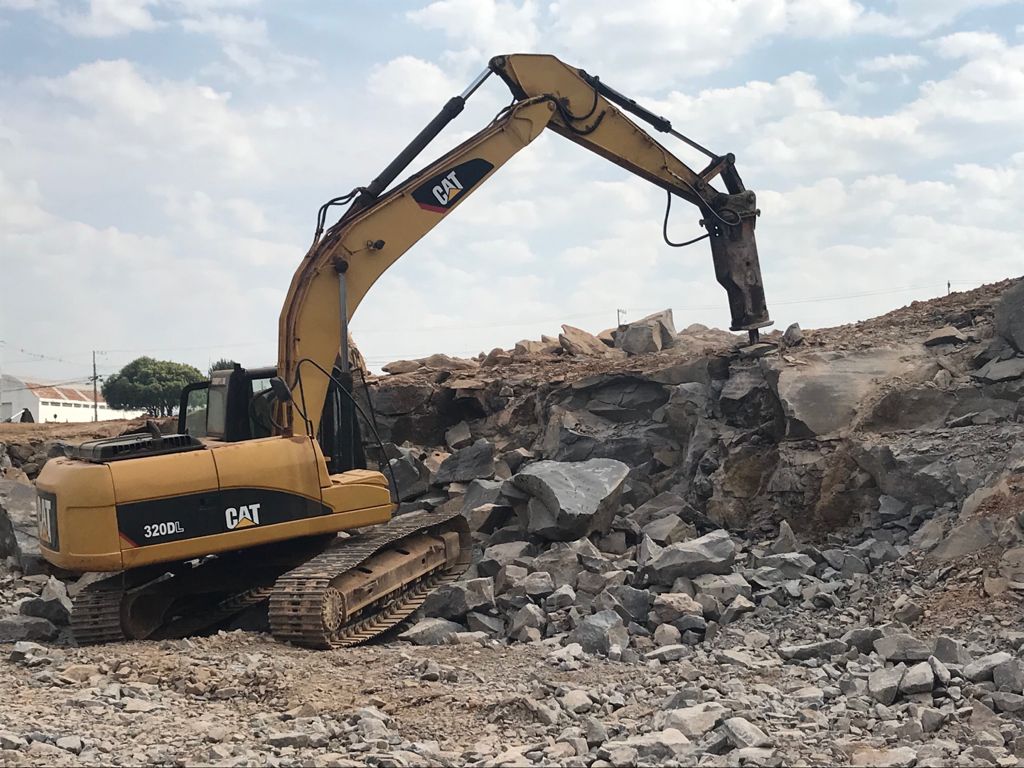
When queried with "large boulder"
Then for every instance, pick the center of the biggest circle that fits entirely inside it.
(649, 334)
(470, 463)
(411, 476)
(598, 632)
(713, 553)
(19, 536)
(571, 499)
(579, 343)
(1009, 316)
(823, 396)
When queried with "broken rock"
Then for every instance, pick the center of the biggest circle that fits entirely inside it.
(713, 553)
(600, 631)
(571, 499)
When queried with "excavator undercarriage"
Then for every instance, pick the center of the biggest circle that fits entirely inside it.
(321, 592)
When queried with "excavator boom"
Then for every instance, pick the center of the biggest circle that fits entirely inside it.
(380, 226)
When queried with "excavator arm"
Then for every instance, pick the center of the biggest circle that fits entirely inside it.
(378, 228)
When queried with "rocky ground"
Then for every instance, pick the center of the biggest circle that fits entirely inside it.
(807, 552)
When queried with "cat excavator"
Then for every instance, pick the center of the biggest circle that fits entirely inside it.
(262, 500)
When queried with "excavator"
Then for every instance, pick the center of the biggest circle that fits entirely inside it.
(262, 500)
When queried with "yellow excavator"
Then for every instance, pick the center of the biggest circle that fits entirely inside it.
(263, 498)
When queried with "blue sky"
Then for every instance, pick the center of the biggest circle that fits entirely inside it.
(161, 163)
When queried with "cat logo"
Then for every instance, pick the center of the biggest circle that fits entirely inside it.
(449, 187)
(441, 192)
(242, 517)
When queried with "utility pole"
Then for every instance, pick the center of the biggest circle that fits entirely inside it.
(949, 287)
(619, 314)
(95, 403)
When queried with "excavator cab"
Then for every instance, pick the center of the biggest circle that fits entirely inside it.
(238, 404)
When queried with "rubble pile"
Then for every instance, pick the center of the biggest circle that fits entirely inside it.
(687, 550)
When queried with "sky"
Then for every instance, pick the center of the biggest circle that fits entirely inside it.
(162, 162)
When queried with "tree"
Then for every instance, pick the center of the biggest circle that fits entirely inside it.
(222, 365)
(149, 385)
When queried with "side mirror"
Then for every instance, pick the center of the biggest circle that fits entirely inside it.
(281, 390)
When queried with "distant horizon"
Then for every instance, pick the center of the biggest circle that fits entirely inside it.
(377, 368)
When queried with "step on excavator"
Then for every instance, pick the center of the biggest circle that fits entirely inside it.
(263, 501)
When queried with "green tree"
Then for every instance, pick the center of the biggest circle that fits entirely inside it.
(149, 385)
(222, 365)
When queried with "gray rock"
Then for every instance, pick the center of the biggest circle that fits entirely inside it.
(931, 719)
(793, 335)
(670, 607)
(669, 530)
(870, 757)
(713, 553)
(480, 492)
(431, 631)
(996, 371)
(458, 436)
(1009, 315)
(453, 601)
(786, 540)
(562, 562)
(862, 638)
(71, 744)
(791, 565)
(19, 532)
(737, 608)
(743, 734)
(579, 343)
(1009, 676)
(481, 622)
(650, 334)
(821, 650)
(1004, 701)
(528, 617)
(539, 584)
(630, 603)
(571, 499)
(497, 556)
(470, 463)
(940, 670)
(600, 631)
(666, 634)
(723, 588)
(983, 669)
(920, 678)
(966, 539)
(951, 651)
(411, 476)
(667, 653)
(15, 628)
(563, 597)
(668, 745)
(693, 722)
(945, 335)
(884, 684)
(901, 647)
(52, 604)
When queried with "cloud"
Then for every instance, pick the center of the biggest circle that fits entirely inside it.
(116, 100)
(408, 80)
(893, 62)
(967, 45)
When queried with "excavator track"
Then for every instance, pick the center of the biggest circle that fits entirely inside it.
(96, 613)
(307, 608)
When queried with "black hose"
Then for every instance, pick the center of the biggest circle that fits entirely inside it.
(664, 228)
(370, 424)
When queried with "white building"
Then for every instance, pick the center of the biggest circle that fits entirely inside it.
(55, 403)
